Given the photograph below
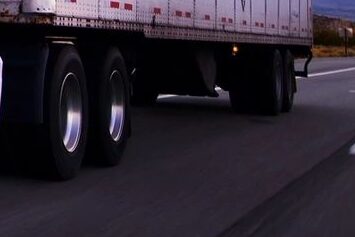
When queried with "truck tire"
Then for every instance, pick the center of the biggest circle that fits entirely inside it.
(289, 81)
(258, 85)
(110, 128)
(66, 113)
(272, 80)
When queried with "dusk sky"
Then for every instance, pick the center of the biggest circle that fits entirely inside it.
(337, 8)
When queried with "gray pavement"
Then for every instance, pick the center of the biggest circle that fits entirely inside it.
(327, 64)
(194, 168)
(320, 203)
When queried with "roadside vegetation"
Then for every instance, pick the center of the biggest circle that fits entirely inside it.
(327, 42)
(332, 51)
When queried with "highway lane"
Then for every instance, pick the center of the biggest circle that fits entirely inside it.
(193, 168)
(327, 64)
(320, 203)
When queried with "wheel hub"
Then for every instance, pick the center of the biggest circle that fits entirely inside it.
(70, 112)
(117, 101)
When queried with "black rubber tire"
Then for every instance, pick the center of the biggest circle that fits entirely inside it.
(272, 71)
(258, 86)
(106, 150)
(289, 81)
(57, 160)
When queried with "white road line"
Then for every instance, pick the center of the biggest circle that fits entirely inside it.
(170, 96)
(352, 91)
(165, 96)
(329, 73)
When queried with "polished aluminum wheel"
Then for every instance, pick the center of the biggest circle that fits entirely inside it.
(117, 100)
(70, 112)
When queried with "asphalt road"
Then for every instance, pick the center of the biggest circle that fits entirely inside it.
(194, 168)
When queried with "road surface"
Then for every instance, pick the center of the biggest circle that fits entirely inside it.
(194, 168)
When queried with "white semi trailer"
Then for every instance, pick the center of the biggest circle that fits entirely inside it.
(70, 68)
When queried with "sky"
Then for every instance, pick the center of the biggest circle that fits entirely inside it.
(337, 8)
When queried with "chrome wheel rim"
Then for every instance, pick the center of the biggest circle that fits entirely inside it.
(70, 112)
(117, 108)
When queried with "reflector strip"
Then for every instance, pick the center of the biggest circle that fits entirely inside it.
(114, 4)
(128, 7)
(157, 10)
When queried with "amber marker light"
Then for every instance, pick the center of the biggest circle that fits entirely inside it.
(235, 50)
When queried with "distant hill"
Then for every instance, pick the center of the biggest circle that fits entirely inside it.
(335, 8)
(326, 30)
(322, 23)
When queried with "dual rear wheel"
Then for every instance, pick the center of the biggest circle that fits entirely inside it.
(92, 114)
(68, 124)
(265, 83)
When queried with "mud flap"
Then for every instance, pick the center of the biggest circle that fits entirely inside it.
(23, 74)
